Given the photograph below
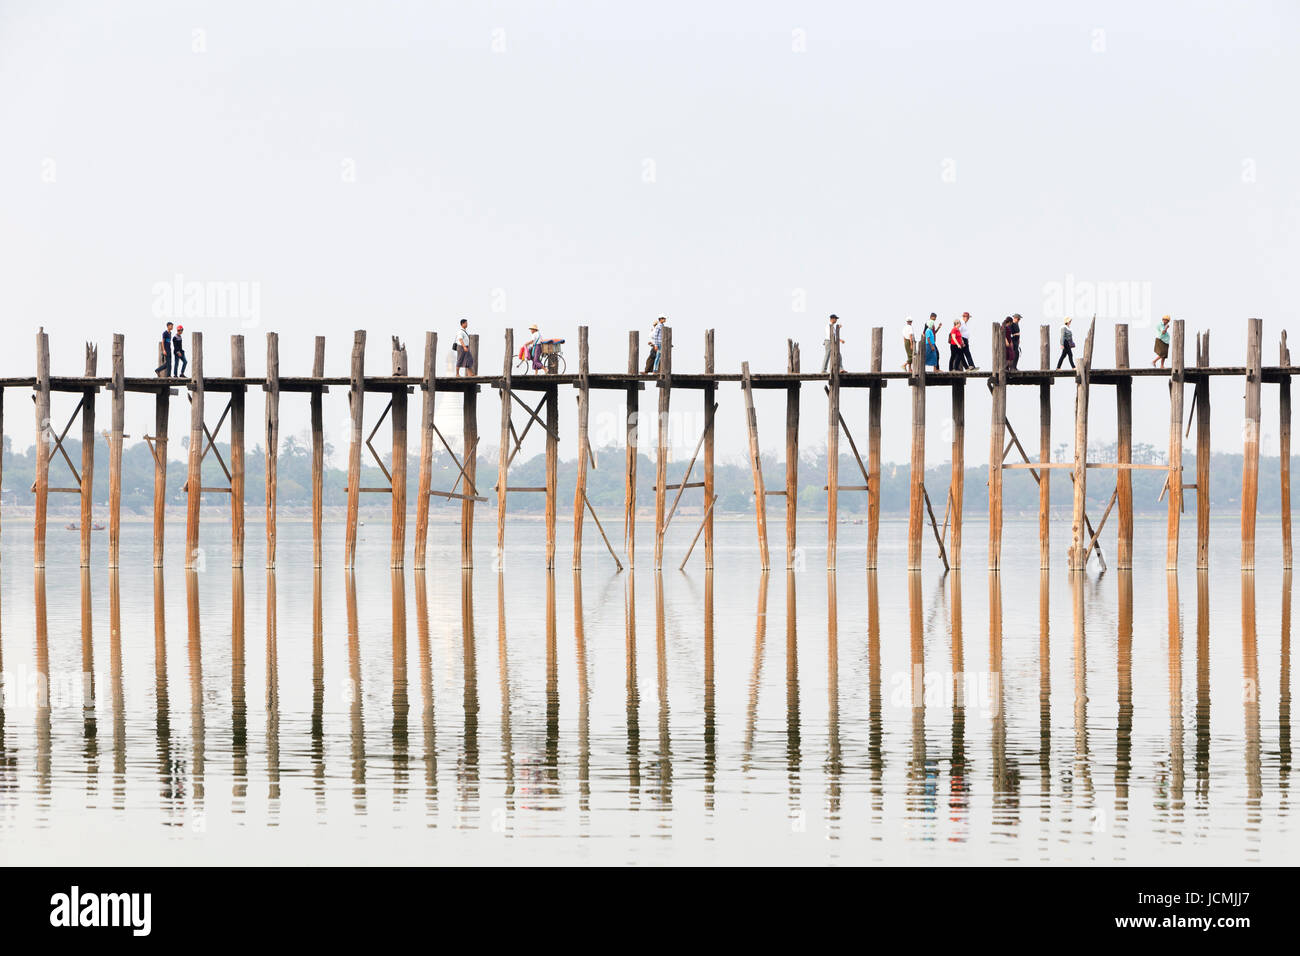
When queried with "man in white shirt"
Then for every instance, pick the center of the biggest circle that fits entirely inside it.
(832, 333)
(909, 343)
(464, 358)
(965, 341)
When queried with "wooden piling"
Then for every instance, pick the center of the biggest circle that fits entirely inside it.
(957, 480)
(710, 402)
(272, 439)
(504, 448)
(552, 469)
(238, 370)
(428, 386)
(44, 441)
(832, 457)
(584, 447)
(997, 437)
(194, 471)
(161, 413)
(756, 467)
(317, 453)
(1123, 477)
(791, 459)
(661, 442)
(397, 458)
(470, 439)
(873, 449)
(88, 455)
(1284, 447)
(632, 411)
(1250, 464)
(1177, 376)
(1045, 451)
(1078, 533)
(356, 403)
(1202, 403)
(916, 474)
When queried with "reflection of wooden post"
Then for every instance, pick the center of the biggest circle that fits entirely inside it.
(1284, 438)
(317, 452)
(88, 455)
(504, 450)
(710, 400)
(425, 481)
(1176, 378)
(873, 449)
(661, 451)
(957, 482)
(194, 472)
(1250, 466)
(1045, 450)
(756, 467)
(238, 370)
(1078, 533)
(832, 456)
(1124, 477)
(997, 436)
(470, 446)
(584, 447)
(1202, 403)
(272, 440)
(161, 410)
(633, 402)
(397, 458)
(791, 458)
(356, 401)
(44, 439)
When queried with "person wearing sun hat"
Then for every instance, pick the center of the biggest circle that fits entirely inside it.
(1067, 344)
(1162, 342)
(180, 364)
(535, 348)
(909, 343)
(965, 341)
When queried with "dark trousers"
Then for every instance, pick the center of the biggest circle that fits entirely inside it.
(166, 366)
(180, 364)
(1067, 352)
(956, 361)
(965, 354)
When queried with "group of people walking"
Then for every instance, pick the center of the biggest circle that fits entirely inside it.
(959, 354)
(172, 362)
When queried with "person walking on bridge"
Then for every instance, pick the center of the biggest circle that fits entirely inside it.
(832, 334)
(965, 341)
(180, 364)
(464, 357)
(1162, 342)
(909, 343)
(164, 368)
(1067, 344)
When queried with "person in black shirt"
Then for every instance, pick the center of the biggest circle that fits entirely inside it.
(165, 368)
(180, 364)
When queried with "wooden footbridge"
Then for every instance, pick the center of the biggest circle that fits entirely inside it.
(519, 413)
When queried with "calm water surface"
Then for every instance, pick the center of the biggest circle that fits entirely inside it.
(221, 717)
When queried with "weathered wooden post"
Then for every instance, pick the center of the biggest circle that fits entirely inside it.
(632, 405)
(317, 452)
(238, 370)
(916, 474)
(1284, 445)
(552, 466)
(1177, 376)
(356, 402)
(44, 439)
(873, 448)
(470, 445)
(398, 456)
(584, 447)
(832, 456)
(1202, 403)
(1250, 429)
(1045, 449)
(1078, 533)
(756, 467)
(428, 387)
(1124, 477)
(957, 480)
(997, 437)
(661, 450)
(710, 402)
(161, 412)
(194, 471)
(791, 457)
(504, 450)
(117, 425)
(88, 454)
(272, 438)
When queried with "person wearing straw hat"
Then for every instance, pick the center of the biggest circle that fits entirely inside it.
(1067, 344)
(1162, 342)
(909, 343)
(656, 344)
(535, 348)
(965, 341)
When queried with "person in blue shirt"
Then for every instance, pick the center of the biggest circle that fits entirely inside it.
(180, 364)
(166, 353)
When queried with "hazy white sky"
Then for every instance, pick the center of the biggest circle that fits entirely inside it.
(743, 166)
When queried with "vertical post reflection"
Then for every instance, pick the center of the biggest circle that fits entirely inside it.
(318, 688)
(633, 694)
(426, 694)
(1124, 683)
(920, 794)
(584, 716)
(238, 699)
(1174, 797)
(90, 729)
(272, 700)
(1202, 688)
(1044, 701)
(401, 702)
(959, 786)
(710, 715)
(356, 714)
(1006, 774)
(551, 759)
(1284, 693)
(503, 671)
(167, 770)
(1082, 774)
(834, 755)
(793, 754)
(875, 712)
(118, 692)
(467, 774)
(1250, 696)
(664, 756)
(43, 732)
(198, 732)
(756, 675)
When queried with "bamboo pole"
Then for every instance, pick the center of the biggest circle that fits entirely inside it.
(756, 467)
(1284, 439)
(317, 453)
(194, 472)
(1123, 479)
(161, 412)
(957, 481)
(1250, 466)
(873, 449)
(1176, 378)
(397, 458)
(88, 455)
(584, 447)
(916, 474)
(469, 416)
(661, 439)
(429, 387)
(1045, 451)
(238, 370)
(44, 443)
(633, 401)
(997, 436)
(791, 459)
(504, 450)
(272, 389)
(356, 402)
(1202, 403)
(832, 457)
(1078, 533)
(710, 402)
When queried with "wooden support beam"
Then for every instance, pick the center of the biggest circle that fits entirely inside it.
(710, 410)
(44, 445)
(88, 455)
(584, 446)
(504, 454)
(1078, 545)
(1250, 466)
(1284, 440)
(469, 416)
(756, 464)
(317, 454)
(238, 369)
(957, 480)
(1176, 380)
(194, 471)
(832, 458)
(633, 399)
(424, 487)
(272, 439)
(161, 413)
(791, 458)
(356, 404)
(997, 438)
(1045, 451)
(398, 458)
(1123, 480)
(661, 450)
(873, 449)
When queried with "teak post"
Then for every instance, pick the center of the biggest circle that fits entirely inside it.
(470, 440)
(1250, 463)
(1177, 376)
(1078, 533)
(552, 463)
(997, 436)
(1284, 446)
(88, 454)
(584, 446)
(1202, 403)
(317, 452)
(661, 440)
(873, 449)
(957, 481)
(791, 458)
(632, 411)
(428, 386)
(916, 473)
(1124, 477)
(710, 400)
(272, 438)
(161, 413)
(194, 471)
(44, 440)
(504, 449)
(238, 370)
(356, 403)
(117, 426)
(398, 456)
(832, 456)
(756, 467)
(1045, 450)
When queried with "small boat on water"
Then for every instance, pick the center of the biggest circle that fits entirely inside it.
(73, 526)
